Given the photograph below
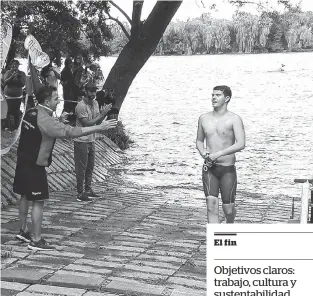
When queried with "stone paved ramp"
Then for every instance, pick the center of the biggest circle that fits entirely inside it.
(131, 241)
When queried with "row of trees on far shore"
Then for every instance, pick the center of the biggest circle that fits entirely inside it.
(66, 28)
(245, 33)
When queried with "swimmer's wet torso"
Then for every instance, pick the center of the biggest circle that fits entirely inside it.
(219, 134)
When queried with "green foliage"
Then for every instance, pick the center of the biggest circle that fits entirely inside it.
(95, 29)
(63, 28)
(246, 33)
(119, 136)
(173, 41)
(119, 39)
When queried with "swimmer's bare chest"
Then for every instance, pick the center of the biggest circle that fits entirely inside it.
(219, 134)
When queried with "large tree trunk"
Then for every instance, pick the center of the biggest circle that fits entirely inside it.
(143, 42)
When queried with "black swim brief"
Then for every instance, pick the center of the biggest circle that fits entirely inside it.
(220, 178)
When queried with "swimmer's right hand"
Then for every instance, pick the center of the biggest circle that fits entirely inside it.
(205, 155)
(108, 124)
(208, 161)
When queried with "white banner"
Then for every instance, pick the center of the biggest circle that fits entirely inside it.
(6, 37)
(38, 58)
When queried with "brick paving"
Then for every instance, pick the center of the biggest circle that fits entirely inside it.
(135, 243)
(130, 241)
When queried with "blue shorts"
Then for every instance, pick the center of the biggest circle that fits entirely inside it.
(220, 178)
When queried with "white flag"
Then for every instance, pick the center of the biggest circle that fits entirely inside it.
(6, 37)
(38, 58)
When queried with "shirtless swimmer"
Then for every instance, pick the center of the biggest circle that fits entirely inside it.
(220, 135)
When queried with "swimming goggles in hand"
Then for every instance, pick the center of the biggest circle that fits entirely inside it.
(208, 163)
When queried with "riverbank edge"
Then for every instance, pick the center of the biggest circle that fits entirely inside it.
(253, 208)
(61, 173)
(225, 53)
(204, 54)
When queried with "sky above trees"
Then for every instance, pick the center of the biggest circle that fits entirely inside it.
(194, 8)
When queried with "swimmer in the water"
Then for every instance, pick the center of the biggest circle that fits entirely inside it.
(224, 135)
(282, 68)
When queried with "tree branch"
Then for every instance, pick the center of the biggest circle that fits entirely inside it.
(137, 8)
(242, 3)
(122, 11)
(120, 24)
(201, 3)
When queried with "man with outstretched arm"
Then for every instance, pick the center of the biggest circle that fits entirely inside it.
(220, 135)
(38, 135)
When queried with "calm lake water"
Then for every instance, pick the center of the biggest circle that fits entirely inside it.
(169, 94)
(163, 105)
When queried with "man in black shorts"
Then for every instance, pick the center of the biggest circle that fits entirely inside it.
(220, 135)
(38, 134)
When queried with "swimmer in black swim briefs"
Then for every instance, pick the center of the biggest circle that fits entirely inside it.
(220, 178)
(220, 135)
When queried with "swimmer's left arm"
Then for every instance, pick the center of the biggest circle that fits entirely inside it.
(240, 140)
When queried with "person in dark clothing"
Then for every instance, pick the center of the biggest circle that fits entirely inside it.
(38, 135)
(67, 81)
(13, 82)
(50, 76)
(78, 72)
(106, 97)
